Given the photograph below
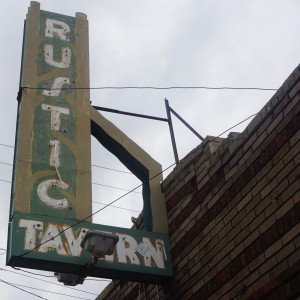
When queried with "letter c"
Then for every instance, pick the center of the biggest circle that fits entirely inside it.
(42, 191)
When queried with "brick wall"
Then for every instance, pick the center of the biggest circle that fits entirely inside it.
(233, 212)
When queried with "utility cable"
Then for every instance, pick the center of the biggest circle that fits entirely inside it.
(92, 279)
(4, 163)
(95, 183)
(114, 187)
(65, 286)
(36, 274)
(2, 249)
(52, 276)
(152, 88)
(7, 145)
(82, 220)
(42, 290)
(117, 199)
(106, 168)
(13, 285)
(237, 124)
(5, 180)
(96, 166)
(118, 207)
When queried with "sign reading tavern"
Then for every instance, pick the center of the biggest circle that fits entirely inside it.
(51, 203)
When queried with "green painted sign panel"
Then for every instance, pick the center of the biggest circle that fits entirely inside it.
(40, 241)
(51, 190)
(54, 123)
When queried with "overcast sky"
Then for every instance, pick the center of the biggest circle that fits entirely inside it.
(153, 43)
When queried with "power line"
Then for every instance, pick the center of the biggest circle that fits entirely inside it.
(119, 207)
(91, 279)
(82, 220)
(22, 289)
(95, 183)
(37, 274)
(42, 290)
(106, 168)
(154, 88)
(114, 201)
(5, 180)
(4, 163)
(65, 286)
(237, 124)
(43, 275)
(52, 276)
(7, 145)
(96, 166)
(114, 187)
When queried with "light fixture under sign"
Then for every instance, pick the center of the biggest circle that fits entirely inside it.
(70, 279)
(99, 243)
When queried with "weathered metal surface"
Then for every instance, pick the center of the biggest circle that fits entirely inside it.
(139, 255)
(51, 187)
(53, 175)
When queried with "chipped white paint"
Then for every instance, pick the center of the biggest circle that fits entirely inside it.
(56, 111)
(54, 153)
(42, 192)
(63, 240)
(142, 249)
(52, 239)
(65, 57)
(154, 255)
(126, 249)
(73, 243)
(57, 29)
(30, 232)
(56, 87)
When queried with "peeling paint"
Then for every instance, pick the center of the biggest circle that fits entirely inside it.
(42, 192)
(66, 54)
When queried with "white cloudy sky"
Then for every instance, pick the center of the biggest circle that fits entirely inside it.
(154, 43)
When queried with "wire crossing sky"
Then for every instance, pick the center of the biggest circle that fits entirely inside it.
(141, 53)
(152, 88)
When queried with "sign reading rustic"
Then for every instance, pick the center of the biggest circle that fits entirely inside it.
(51, 203)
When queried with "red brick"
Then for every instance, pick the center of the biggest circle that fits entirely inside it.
(278, 269)
(286, 171)
(294, 257)
(258, 142)
(287, 206)
(267, 265)
(250, 142)
(291, 104)
(257, 221)
(275, 122)
(285, 252)
(293, 93)
(267, 224)
(273, 248)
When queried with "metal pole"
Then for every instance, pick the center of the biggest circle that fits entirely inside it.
(129, 113)
(186, 124)
(171, 131)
